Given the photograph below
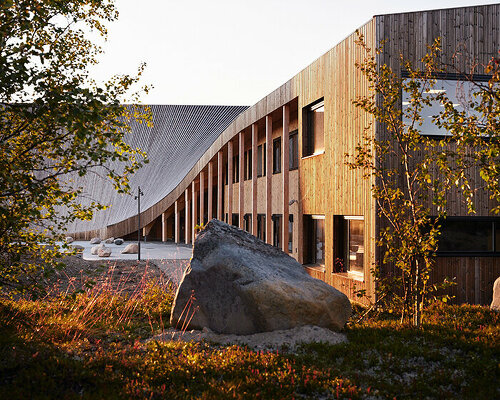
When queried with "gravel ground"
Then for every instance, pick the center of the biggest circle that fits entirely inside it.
(282, 340)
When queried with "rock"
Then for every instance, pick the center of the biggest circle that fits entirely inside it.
(118, 241)
(495, 304)
(95, 240)
(69, 239)
(104, 252)
(238, 284)
(131, 248)
(109, 240)
(95, 250)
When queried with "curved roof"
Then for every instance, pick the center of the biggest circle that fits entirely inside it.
(180, 135)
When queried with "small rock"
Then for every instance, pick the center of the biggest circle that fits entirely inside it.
(118, 241)
(131, 248)
(95, 240)
(95, 250)
(495, 304)
(109, 240)
(69, 239)
(104, 252)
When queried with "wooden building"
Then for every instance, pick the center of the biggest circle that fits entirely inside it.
(278, 169)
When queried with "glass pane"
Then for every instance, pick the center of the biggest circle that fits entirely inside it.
(290, 235)
(320, 240)
(466, 236)
(318, 129)
(458, 92)
(356, 245)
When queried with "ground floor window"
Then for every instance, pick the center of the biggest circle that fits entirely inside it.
(290, 233)
(248, 222)
(277, 218)
(314, 239)
(469, 235)
(261, 227)
(348, 244)
(235, 220)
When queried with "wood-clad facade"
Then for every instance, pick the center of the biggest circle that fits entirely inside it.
(320, 196)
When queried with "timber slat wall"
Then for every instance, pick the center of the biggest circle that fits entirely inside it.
(474, 34)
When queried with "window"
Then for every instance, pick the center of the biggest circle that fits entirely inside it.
(277, 230)
(314, 239)
(248, 222)
(277, 156)
(290, 233)
(479, 236)
(261, 227)
(348, 244)
(355, 249)
(225, 173)
(235, 220)
(236, 170)
(261, 160)
(313, 128)
(293, 157)
(248, 165)
(459, 92)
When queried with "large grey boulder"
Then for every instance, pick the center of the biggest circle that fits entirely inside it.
(238, 284)
(118, 241)
(132, 248)
(495, 303)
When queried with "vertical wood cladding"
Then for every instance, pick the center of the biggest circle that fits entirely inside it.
(470, 36)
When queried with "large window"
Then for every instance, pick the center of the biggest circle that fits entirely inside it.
(457, 91)
(277, 156)
(469, 235)
(290, 233)
(314, 239)
(348, 244)
(313, 117)
(293, 157)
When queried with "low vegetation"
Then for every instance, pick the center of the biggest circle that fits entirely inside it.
(92, 343)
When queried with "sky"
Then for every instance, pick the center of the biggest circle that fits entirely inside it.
(232, 52)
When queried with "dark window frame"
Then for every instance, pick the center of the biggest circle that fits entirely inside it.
(277, 155)
(308, 132)
(495, 226)
(293, 155)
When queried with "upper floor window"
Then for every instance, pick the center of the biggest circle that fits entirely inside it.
(293, 157)
(277, 156)
(236, 169)
(261, 160)
(248, 164)
(313, 135)
(458, 92)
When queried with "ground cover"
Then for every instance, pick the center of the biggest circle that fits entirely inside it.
(92, 343)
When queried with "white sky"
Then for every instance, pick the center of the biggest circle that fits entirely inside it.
(233, 52)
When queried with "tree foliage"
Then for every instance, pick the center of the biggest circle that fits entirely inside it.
(55, 123)
(413, 172)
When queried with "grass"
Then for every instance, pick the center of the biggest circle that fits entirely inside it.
(92, 344)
